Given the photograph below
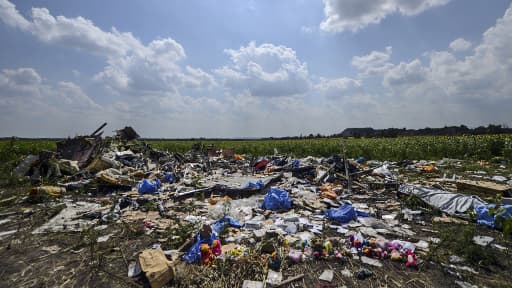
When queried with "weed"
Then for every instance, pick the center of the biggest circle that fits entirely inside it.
(458, 239)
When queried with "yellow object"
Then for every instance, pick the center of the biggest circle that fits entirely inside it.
(328, 247)
(42, 192)
(395, 255)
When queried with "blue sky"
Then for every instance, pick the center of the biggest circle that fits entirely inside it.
(252, 68)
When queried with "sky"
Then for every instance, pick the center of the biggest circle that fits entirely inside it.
(230, 68)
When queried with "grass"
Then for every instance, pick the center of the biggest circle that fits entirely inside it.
(457, 239)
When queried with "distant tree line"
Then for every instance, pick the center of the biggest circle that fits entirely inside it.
(369, 132)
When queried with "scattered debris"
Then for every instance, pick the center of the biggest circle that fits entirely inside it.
(370, 261)
(158, 269)
(252, 284)
(483, 188)
(212, 209)
(364, 273)
(273, 277)
(482, 240)
(7, 233)
(327, 275)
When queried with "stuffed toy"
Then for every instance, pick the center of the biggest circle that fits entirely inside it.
(367, 251)
(275, 261)
(411, 259)
(206, 254)
(327, 247)
(216, 247)
(318, 249)
(295, 256)
(338, 255)
(395, 255)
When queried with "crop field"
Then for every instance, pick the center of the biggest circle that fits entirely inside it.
(479, 147)
(421, 147)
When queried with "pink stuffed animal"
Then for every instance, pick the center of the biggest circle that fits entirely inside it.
(411, 259)
(216, 247)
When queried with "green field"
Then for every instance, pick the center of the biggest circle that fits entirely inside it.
(483, 147)
(480, 147)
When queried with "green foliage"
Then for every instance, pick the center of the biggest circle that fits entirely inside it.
(11, 152)
(501, 222)
(458, 240)
(12, 149)
(181, 233)
(477, 147)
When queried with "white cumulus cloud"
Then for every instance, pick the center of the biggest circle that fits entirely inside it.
(460, 44)
(446, 89)
(132, 67)
(353, 15)
(339, 87)
(266, 70)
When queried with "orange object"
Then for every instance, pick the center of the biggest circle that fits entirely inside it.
(326, 187)
(427, 168)
(214, 200)
(207, 256)
(269, 170)
(238, 157)
(329, 194)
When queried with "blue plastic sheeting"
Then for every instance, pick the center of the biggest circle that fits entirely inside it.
(169, 177)
(361, 160)
(484, 218)
(219, 225)
(295, 163)
(258, 184)
(277, 199)
(193, 254)
(148, 186)
(344, 214)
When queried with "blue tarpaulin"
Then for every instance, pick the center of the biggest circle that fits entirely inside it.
(485, 218)
(277, 199)
(257, 184)
(344, 214)
(147, 186)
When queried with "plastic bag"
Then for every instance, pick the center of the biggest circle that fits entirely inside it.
(257, 185)
(169, 177)
(219, 225)
(344, 214)
(193, 254)
(149, 186)
(277, 199)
